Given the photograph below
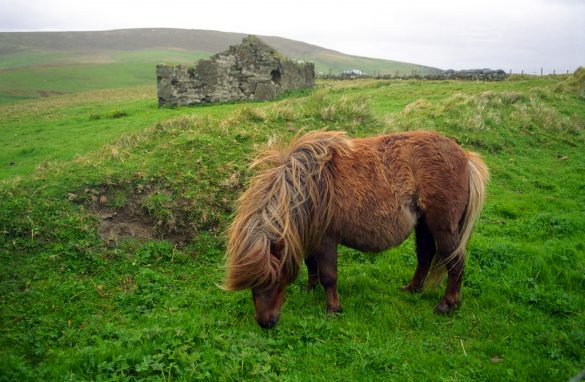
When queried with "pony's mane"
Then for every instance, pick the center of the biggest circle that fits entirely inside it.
(284, 211)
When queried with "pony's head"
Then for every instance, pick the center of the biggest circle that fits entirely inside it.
(263, 268)
(263, 252)
(268, 299)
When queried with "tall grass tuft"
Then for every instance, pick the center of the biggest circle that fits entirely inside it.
(575, 83)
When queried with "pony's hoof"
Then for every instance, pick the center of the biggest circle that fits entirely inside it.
(333, 310)
(444, 307)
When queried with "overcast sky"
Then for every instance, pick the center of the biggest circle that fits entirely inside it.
(458, 34)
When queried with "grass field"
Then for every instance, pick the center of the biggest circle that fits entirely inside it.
(37, 74)
(80, 300)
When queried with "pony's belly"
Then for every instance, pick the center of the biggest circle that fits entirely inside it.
(370, 243)
(378, 236)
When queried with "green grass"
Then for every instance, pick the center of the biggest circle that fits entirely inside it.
(33, 74)
(62, 79)
(75, 307)
(31, 57)
(63, 127)
(28, 58)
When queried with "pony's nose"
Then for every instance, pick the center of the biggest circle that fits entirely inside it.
(268, 324)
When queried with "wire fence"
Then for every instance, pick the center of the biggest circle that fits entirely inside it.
(542, 72)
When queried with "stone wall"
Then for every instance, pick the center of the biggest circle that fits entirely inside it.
(475, 75)
(467, 75)
(251, 70)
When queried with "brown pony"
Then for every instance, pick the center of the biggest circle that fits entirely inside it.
(325, 189)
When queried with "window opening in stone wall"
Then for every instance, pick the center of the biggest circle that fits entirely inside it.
(275, 74)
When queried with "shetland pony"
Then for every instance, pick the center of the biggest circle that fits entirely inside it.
(325, 189)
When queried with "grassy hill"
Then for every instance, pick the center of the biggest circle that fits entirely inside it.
(112, 215)
(37, 64)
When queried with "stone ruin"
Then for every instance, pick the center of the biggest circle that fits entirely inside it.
(251, 70)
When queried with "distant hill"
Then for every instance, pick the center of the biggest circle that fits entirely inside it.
(171, 40)
(35, 64)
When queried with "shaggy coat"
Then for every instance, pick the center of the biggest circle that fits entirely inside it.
(325, 189)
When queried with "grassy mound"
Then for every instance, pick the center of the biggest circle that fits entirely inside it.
(111, 255)
(575, 83)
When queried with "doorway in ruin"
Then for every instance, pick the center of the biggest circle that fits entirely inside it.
(275, 74)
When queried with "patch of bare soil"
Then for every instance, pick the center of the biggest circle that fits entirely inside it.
(131, 220)
(119, 224)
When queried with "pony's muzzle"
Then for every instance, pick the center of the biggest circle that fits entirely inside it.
(267, 304)
(269, 322)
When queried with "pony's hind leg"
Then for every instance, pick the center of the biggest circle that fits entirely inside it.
(313, 270)
(447, 242)
(452, 295)
(425, 251)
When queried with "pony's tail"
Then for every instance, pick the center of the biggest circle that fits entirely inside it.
(478, 179)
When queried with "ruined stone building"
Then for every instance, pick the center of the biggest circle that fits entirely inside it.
(251, 70)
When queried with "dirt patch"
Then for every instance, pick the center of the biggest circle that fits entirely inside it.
(132, 219)
(117, 225)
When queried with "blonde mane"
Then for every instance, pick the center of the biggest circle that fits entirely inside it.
(284, 212)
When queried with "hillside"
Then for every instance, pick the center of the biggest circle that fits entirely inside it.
(112, 222)
(104, 43)
(34, 64)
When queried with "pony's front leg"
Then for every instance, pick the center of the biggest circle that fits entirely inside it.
(313, 270)
(326, 258)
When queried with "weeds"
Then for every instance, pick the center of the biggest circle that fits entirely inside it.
(112, 115)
